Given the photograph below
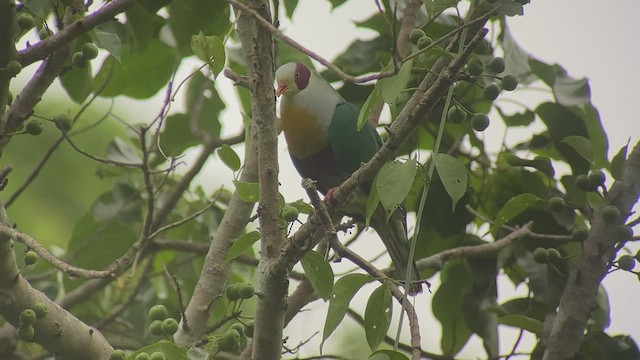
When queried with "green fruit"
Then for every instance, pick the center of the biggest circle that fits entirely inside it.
(118, 355)
(475, 67)
(610, 214)
(77, 59)
(25, 21)
(554, 254)
(238, 327)
(89, 51)
(169, 326)
(142, 356)
(155, 328)
(246, 291)
(34, 127)
(582, 183)
(63, 122)
(623, 233)
(456, 114)
(43, 33)
(26, 332)
(30, 258)
(158, 312)
(579, 233)
(14, 68)
(556, 204)
(27, 316)
(290, 214)
(232, 292)
(481, 48)
(626, 262)
(596, 179)
(40, 309)
(424, 42)
(480, 122)
(509, 82)
(230, 341)
(541, 255)
(491, 91)
(248, 330)
(497, 65)
(415, 35)
(158, 356)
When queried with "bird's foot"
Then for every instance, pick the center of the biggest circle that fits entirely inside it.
(328, 197)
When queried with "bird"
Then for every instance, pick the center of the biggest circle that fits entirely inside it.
(320, 129)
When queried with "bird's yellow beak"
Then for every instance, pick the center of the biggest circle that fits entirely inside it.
(281, 89)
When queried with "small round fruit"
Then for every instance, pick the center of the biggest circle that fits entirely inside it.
(25, 21)
(475, 67)
(43, 33)
(142, 356)
(118, 355)
(89, 51)
(481, 48)
(509, 82)
(26, 332)
(27, 316)
(541, 255)
(582, 183)
(626, 262)
(556, 204)
(596, 179)
(232, 292)
(230, 340)
(480, 122)
(158, 312)
(246, 291)
(63, 122)
(248, 331)
(158, 356)
(623, 233)
(497, 65)
(169, 326)
(13, 68)
(579, 233)
(610, 214)
(424, 41)
(290, 214)
(40, 309)
(155, 328)
(79, 60)
(30, 257)
(554, 254)
(456, 114)
(415, 35)
(491, 91)
(33, 127)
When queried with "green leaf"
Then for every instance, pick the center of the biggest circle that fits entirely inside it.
(189, 17)
(393, 183)
(319, 273)
(209, 49)
(229, 157)
(169, 349)
(581, 145)
(138, 75)
(617, 163)
(244, 243)
(532, 325)
(596, 134)
(517, 119)
(514, 207)
(121, 204)
(543, 71)
(387, 355)
(108, 40)
(248, 192)
(434, 6)
(453, 175)
(343, 291)
(290, 7)
(78, 83)
(393, 86)
(123, 151)
(377, 316)
(372, 201)
(571, 92)
(373, 101)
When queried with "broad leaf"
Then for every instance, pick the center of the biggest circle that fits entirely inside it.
(189, 17)
(373, 101)
(387, 355)
(78, 83)
(393, 86)
(532, 325)
(244, 243)
(453, 175)
(248, 192)
(319, 273)
(209, 49)
(229, 157)
(343, 291)
(447, 307)
(581, 145)
(517, 119)
(511, 209)
(393, 183)
(617, 163)
(571, 92)
(108, 40)
(377, 316)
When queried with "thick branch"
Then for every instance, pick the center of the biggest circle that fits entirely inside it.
(578, 297)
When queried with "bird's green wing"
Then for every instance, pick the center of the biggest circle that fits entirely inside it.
(351, 147)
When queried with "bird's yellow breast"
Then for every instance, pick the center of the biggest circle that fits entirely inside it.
(304, 135)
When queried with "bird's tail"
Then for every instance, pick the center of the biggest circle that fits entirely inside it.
(394, 236)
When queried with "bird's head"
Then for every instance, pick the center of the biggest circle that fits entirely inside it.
(292, 78)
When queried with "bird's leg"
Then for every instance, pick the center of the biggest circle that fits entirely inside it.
(328, 197)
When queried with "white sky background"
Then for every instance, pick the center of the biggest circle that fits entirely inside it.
(584, 36)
